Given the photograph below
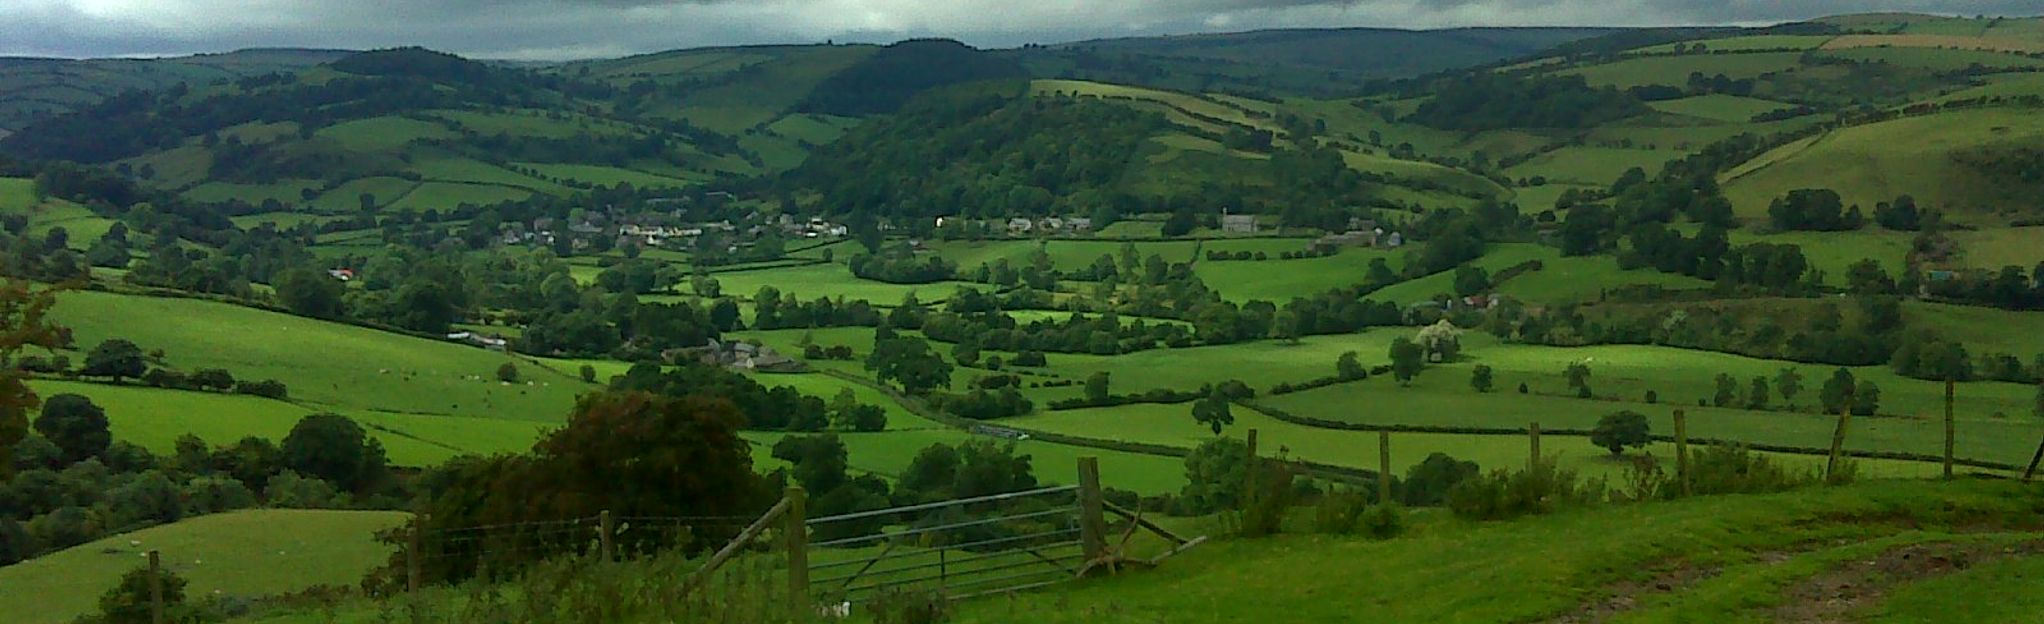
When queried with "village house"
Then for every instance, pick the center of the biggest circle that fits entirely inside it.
(1019, 225)
(1351, 238)
(739, 356)
(493, 343)
(1238, 224)
(1079, 224)
(345, 275)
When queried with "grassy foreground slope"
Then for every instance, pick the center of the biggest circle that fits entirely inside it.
(244, 553)
(1720, 559)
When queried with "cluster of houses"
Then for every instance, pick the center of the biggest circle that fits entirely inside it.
(1362, 233)
(1048, 225)
(742, 356)
(660, 230)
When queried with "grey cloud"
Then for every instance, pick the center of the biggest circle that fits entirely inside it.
(584, 28)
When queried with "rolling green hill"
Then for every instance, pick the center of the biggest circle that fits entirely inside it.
(32, 89)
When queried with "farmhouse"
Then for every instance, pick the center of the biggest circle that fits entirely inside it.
(1019, 225)
(1351, 238)
(739, 356)
(1239, 224)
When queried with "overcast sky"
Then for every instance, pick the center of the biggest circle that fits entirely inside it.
(561, 29)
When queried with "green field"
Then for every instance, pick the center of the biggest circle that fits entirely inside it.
(1995, 248)
(1746, 43)
(1712, 559)
(1674, 70)
(244, 554)
(1278, 281)
(604, 176)
(1878, 162)
(444, 196)
(383, 134)
(325, 365)
(809, 282)
(1719, 107)
(79, 223)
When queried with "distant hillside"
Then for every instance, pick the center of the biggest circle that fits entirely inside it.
(881, 83)
(1311, 62)
(38, 88)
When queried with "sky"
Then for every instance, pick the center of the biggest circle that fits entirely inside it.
(567, 29)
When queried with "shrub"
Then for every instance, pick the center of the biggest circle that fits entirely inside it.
(1339, 512)
(129, 602)
(589, 373)
(1384, 521)
(507, 373)
(267, 388)
(213, 379)
(1275, 493)
(1502, 495)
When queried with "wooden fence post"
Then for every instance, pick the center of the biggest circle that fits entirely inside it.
(606, 536)
(155, 588)
(1249, 477)
(1533, 436)
(798, 548)
(1951, 428)
(1092, 518)
(1682, 451)
(1384, 467)
(2034, 460)
(412, 555)
(1838, 439)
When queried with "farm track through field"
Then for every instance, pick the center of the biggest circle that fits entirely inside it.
(1834, 595)
(1828, 134)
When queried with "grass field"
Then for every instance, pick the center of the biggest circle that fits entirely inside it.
(79, 223)
(383, 134)
(243, 554)
(1995, 248)
(1719, 107)
(1278, 281)
(325, 365)
(605, 176)
(1739, 555)
(1878, 162)
(1746, 43)
(1592, 166)
(444, 196)
(1673, 70)
(809, 282)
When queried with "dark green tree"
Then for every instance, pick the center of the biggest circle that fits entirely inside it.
(116, 359)
(1866, 398)
(910, 363)
(1214, 412)
(1619, 430)
(332, 447)
(1757, 394)
(1480, 378)
(1789, 382)
(1350, 367)
(1727, 394)
(75, 425)
(1407, 358)
(1837, 392)
(311, 292)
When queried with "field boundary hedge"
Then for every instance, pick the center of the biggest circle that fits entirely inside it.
(1325, 471)
(1321, 423)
